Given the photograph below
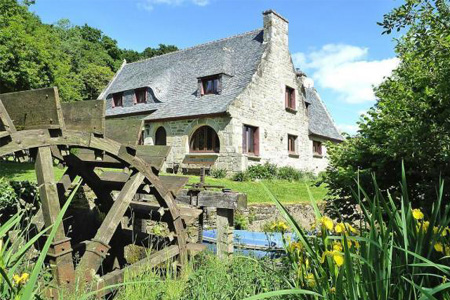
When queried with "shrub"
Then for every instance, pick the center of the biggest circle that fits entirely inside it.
(241, 176)
(265, 171)
(240, 220)
(289, 173)
(8, 199)
(218, 173)
(397, 253)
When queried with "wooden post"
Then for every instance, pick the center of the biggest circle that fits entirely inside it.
(225, 227)
(60, 252)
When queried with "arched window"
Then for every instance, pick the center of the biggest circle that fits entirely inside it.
(161, 136)
(205, 139)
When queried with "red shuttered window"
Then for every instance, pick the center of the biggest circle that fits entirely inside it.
(292, 141)
(317, 148)
(250, 140)
(290, 98)
(140, 96)
(117, 100)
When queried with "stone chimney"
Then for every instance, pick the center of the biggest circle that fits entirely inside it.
(275, 28)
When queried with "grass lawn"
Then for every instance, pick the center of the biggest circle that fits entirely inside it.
(22, 171)
(287, 192)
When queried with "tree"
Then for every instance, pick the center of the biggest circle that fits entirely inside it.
(411, 119)
(79, 60)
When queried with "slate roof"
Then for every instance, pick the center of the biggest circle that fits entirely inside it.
(320, 121)
(173, 76)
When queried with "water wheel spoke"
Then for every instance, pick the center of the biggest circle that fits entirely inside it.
(98, 247)
(60, 252)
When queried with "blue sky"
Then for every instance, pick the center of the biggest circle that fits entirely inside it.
(336, 42)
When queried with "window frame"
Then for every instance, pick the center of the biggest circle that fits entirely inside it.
(215, 140)
(317, 145)
(290, 101)
(254, 131)
(292, 146)
(216, 87)
(114, 99)
(136, 98)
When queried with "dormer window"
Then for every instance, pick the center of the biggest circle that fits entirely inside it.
(290, 98)
(140, 95)
(209, 85)
(117, 100)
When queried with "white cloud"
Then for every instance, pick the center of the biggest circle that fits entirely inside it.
(345, 70)
(149, 5)
(348, 128)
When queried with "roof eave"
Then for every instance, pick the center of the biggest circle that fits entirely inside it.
(312, 134)
(187, 117)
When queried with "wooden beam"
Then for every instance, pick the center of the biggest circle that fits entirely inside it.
(60, 252)
(6, 123)
(98, 247)
(227, 200)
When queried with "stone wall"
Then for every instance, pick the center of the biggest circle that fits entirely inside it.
(262, 103)
(259, 215)
(179, 133)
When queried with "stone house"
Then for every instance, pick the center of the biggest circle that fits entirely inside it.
(228, 104)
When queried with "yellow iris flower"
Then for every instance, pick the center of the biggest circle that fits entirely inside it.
(438, 247)
(327, 223)
(21, 279)
(417, 214)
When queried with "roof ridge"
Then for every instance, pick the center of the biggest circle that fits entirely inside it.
(196, 46)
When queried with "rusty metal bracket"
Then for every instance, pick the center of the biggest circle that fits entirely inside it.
(60, 248)
(99, 248)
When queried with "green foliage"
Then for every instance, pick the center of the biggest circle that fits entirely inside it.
(241, 221)
(265, 171)
(18, 275)
(218, 173)
(395, 254)
(79, 60)
(410, 121)
(8, 198)
(241, 176)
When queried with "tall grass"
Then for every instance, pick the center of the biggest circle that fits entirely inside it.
(19, 276)
(397, 252)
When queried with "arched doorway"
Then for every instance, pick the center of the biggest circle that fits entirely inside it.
(161, 136)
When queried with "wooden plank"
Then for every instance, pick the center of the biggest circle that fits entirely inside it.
(60, 251)
(97, 248)
(228, 200)
(125, 130)
(144, 210)
(34, 109)
(152, 158)
(200, 159)
(86, 116)
(172, 183)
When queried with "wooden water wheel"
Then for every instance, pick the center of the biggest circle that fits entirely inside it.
(74, 135)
